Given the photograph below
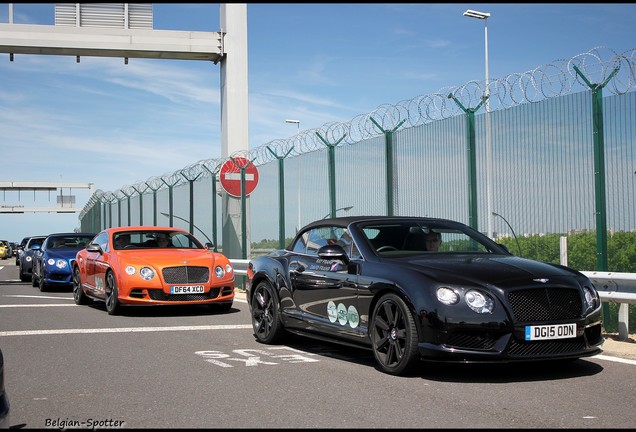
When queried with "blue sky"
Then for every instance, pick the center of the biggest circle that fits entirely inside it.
(111, 124)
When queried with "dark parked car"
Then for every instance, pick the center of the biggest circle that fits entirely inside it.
(26, 257)
(19, 249)
(4, 399)
(53, 262)
(411, 288)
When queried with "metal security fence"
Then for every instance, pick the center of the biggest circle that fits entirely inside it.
(555, 148)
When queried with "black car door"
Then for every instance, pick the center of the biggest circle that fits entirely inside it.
(324, 293)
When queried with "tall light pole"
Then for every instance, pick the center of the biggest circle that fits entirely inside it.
(297, 123)
(484, 16)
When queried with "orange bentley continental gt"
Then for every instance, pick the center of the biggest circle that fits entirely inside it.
(152, 265)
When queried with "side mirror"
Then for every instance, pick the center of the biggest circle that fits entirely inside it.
(333, 252)
(36, 247)
(94, 247)
(209, 245)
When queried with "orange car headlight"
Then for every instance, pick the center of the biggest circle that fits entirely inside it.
(130, 270)
(219, 271)
(146, 273)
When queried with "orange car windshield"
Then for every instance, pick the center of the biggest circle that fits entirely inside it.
(154, 240)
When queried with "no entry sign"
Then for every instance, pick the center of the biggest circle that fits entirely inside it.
(230, 176)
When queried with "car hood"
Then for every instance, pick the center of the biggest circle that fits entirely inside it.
(167, 257)
(499, 270)
(66, 254)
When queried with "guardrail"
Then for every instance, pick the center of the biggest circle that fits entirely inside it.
(617, 288)
(611, 287)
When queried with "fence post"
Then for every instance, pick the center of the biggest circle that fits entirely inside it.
(213, 177)
(388, 142)
(332, 172)
(471, 159)
(599, 167)
(281, 195)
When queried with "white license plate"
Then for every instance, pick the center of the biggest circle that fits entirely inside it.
(186, 289)
(546, 332)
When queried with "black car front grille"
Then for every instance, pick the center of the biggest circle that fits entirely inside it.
(472, 341)
(545, 304)
(186, 275)
(546, 348)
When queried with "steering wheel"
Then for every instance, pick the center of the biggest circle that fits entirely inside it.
(386, 248)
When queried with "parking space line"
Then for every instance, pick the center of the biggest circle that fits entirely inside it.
(123, 330)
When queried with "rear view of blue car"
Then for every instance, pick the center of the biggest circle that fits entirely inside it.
(53, 262)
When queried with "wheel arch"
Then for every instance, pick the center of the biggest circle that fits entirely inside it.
(380, 290)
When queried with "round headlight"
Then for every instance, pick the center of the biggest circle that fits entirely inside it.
(50, 261)
(447, 296)
(591, 297)
(479, 302)
(146, 273)
(130, 270)
(28, 258)
(219, 272)
(60, 264)
(228, 268)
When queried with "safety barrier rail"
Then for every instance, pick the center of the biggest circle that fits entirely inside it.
(617, 288)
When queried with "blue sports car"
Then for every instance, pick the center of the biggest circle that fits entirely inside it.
(53, 262)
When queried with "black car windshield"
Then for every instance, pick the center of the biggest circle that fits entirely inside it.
(155, 240)
(411, 238)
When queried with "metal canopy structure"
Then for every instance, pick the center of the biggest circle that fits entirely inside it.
(110, 42)
(66, 203)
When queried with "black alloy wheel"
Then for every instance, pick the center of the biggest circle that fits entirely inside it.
(394, 335)
(266, 322)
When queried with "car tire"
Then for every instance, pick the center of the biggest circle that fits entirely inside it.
(393, 335)
(23, 277)
(266, 322)
(112, 302)
(78, 293)
(41, 284)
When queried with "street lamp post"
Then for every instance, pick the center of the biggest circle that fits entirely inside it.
(489, 193)
(297, 123)
(187, 221)
(345, 209)
(513, 231)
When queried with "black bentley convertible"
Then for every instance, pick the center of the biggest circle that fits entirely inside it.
(412, 288)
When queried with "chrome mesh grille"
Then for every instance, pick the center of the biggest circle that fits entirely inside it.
(545, 304)
(186, 275)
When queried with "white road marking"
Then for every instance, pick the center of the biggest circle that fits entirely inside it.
(37, 296)
(34, 305)
(123, 330)
(614, 359)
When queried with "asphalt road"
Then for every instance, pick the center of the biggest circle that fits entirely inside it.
(71, 366)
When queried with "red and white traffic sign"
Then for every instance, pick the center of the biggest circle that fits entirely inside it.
(230, 176)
